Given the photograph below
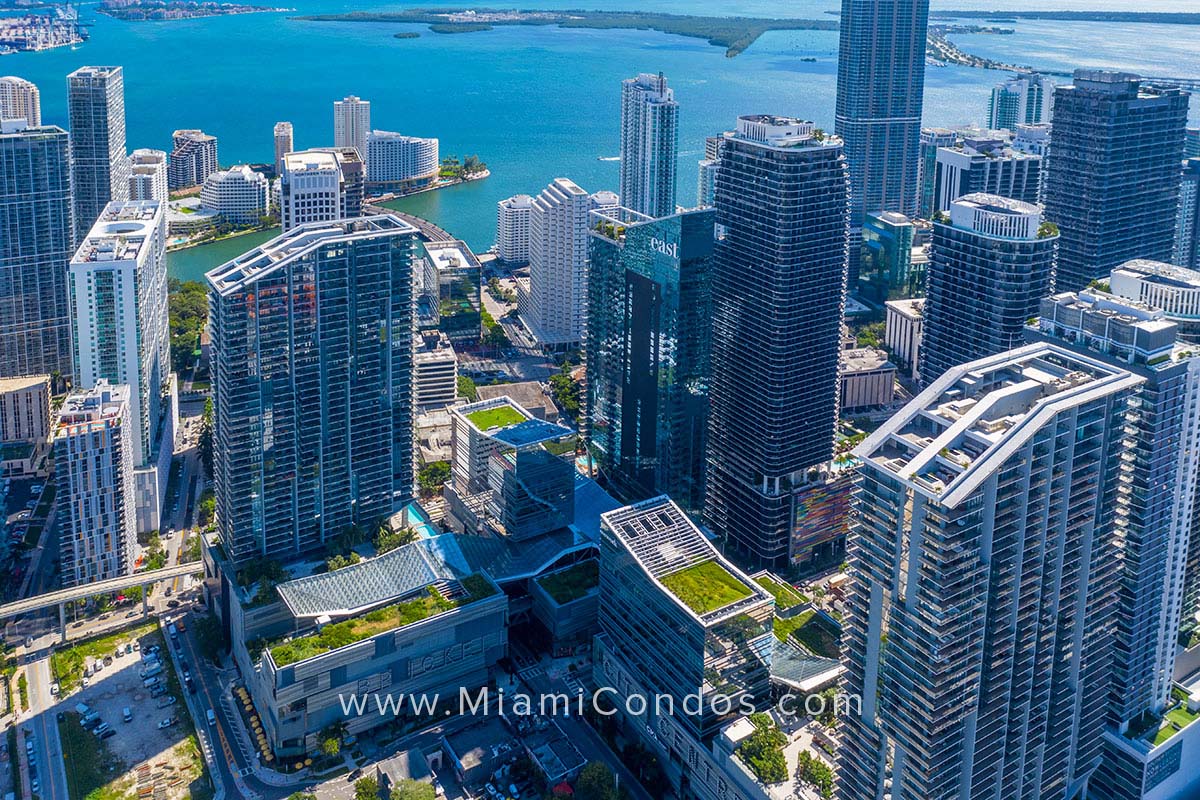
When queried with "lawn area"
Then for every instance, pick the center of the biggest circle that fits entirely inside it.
(1178, 715)
(811, 630)
(573, 583)
(785, 596)
(381, 620)
(705, 586)
(499, 417)
(67, 664)
(89, 763)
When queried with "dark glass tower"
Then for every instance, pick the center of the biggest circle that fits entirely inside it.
(881, 80)
(35, 248)
(647, 347)
(1113, 182)
(779, 284)
(990, 268)
(312, 354)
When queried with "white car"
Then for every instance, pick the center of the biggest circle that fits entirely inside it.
(54, 689)
(166, 723)
(85, 683)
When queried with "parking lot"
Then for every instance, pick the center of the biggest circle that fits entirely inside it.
(119, 728)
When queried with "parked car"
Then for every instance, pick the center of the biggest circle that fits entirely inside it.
(167, 701)
(166, 723)
(54, 689)
(158, 691)
(107, 733)
(127, 714)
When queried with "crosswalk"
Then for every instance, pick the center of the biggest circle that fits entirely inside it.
(529, 673)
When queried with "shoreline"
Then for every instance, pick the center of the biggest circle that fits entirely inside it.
(388, 197)
(178, 248)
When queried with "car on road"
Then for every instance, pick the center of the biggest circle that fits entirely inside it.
(166, 723)
(181, 627)
(34, 786)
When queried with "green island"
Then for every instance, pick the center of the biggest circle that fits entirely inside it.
(735, 34)
(381, 620)
(705, 586)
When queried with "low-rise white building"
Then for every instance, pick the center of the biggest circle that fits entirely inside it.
(239, 195)
(396, 162)
(24, 423)
(435, 371)
(93, 457)
(868, 379)
(903, 324)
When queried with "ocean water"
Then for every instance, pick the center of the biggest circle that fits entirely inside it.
(533, 102)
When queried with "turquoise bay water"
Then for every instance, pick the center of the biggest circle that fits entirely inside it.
(533, 102)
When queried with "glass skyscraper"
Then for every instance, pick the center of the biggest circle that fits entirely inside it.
(1113, 173)
(35, 247)
(983, 563)
(312, 361)
(647, 350)
(880, 87)
(779, 285)
(649, 144)
(99, 162)
(990, 267)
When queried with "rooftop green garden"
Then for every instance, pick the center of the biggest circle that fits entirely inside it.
(1176, 719)
(705, 586)
(573, 583)
(785, 596)
(498, 417)
(811, 630)
(381, 620)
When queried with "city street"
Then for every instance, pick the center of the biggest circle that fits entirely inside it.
(47, 750)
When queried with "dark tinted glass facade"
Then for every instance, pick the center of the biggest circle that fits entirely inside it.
(881, 80)
(779, 282)
(647, 349)
(36, 237)
(981, 291)
(313, 386)
(1113, 174)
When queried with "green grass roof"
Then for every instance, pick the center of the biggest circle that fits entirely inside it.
(498, 417)
(705, 586)
(373, 623)
(571, 584)
(785, 596)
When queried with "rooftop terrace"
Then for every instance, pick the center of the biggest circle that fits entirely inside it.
(435, 599)
(946, 440)
(676, 554)
(264, 259)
